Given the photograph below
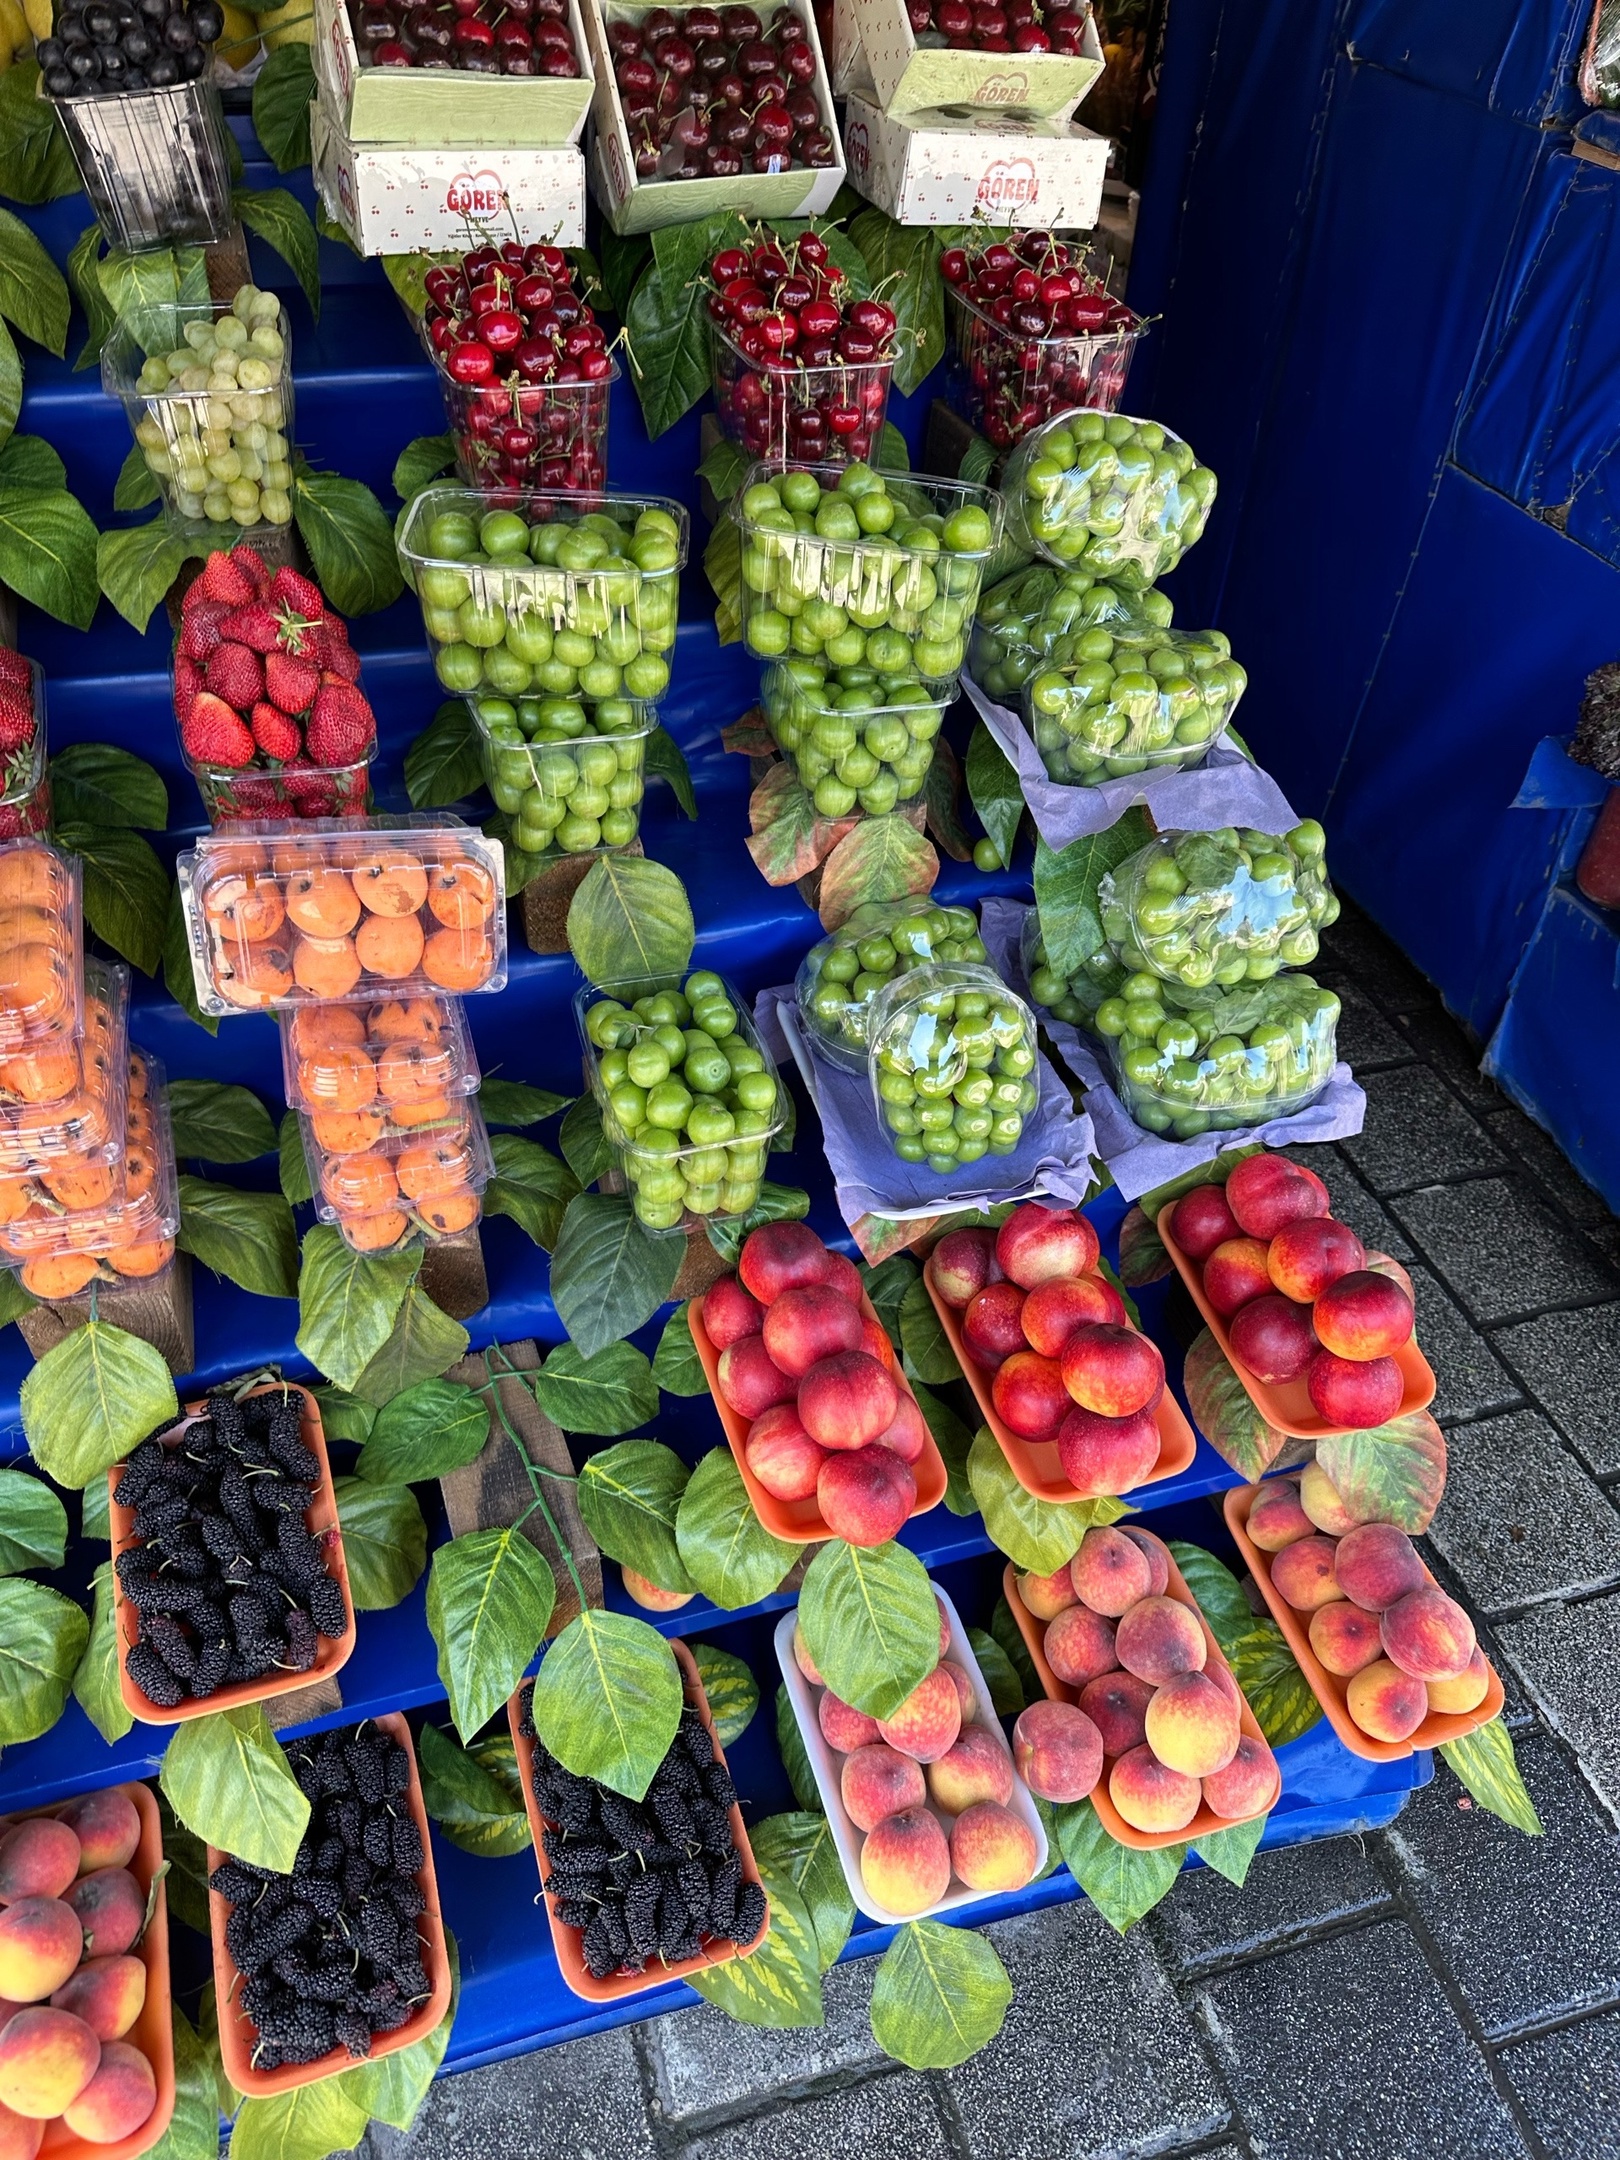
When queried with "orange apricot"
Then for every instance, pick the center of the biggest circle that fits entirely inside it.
(374, 1233)
(416, 1116)
(253, 975)
(148, 1258)
(322, 902)
(390, 881)
(247, 907)
(408, 1020)
(58, 1275)
(140, 1170)
(389, 945)
(327, 1027)
(412, 1072)
(326, 967)
(345, 1132)
(41, 1076)
(33, 985)
(345, 1079)
(77, 1184)
(461, 893)
(359, 1184)
(16, 1195)
(28, 926)
(434, 1166)
(30, 876)
(459, 959)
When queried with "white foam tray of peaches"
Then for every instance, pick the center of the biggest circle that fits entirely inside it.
(827, 1767)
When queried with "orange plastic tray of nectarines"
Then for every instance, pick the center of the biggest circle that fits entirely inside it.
(1035, 1463)
(1206, 1821)
(1330, 1691)
(798, 1522)
(1288, 1408)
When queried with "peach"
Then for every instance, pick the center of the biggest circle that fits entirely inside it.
(802, 1658)
(117, 2100)
(1201, 1220)
(1116, 1704)
(944, 1624)
(847, 1400)
(993, 1326)
(1150, 1795)
(729, 1313)
(992, 1848)
(1302, 1574)
(1345, 1638)
(47, 2058)
(1159, 1639)
(1038, 1244)
(1054, 1310)
(107, 1992)
(841, 1274)
(865, 1497)
(106, 1826)
(1377, 1565)
(906, 1863)
(781, 1256)
(966, 1695)
(1363, 1315)
(1248, 1784)
(782, 1454)
(1047, 1595)
(1218, 1671)
(651, 1596)
(1382, 1264)
(39, 1858)
(1235, 1274)
(1305, 1257)
(963, 1262)
(877, 1781)
(1272, 1338)
(907, 1435)
(975, 1769)
(1112, 1370)
(843, 1727)
(1277, 1518)
(804, 1326)
(41, 1943)
(1058, 1751)
(1029, 1395)
(1428, 1635)
(1192, 1725)
(1268, 1192)
(1358, 1393)
(20, 2139)
(1107, 1454)
(926, 1724)
(749, 1378)
(1323, 1503)
(1079, 1645)
(1466, 1690)
(1109, 1572)
(1158, 1557)
(1385, 1702)
(877, 1344)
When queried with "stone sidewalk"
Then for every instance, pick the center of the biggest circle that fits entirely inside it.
(1443, 1990)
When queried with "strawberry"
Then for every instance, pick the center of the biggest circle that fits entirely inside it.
(214, 735)
(256, 798)
(252, 566)
(14, 668)
(341, 726)
(187, 682)
(255, 625)
(16, 719)
(237, 675)
(313, 794)
(333, 650)
(290, 682)
(292, 590)
(199, 628)
(220, 578)
(276, 735)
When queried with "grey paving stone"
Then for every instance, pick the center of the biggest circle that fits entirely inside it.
(1523, 1137)
(1567, 2083)
(1526, 1925)
(703, 2060)
(1443, 1044)
(1520, 1521)
(1500, 1250)
(1352, 1203)
(1570, 1362)
(1096, 2058)
(581, 2101)
(1357, 943)
(1207, 1921)
(886, 2118)
(1366, 1039)
(1349, 2050)
(1472, 1380)
(1417, 1133)
(1568, 1657)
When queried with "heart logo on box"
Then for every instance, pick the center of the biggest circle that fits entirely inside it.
(1010, 185)
(859, 149)
(476, 195)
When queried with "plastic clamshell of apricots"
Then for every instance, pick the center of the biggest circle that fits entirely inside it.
(67, 1099)
(826, 1767)
(41, 946)
(123, 1214)
(399, 1063)
(428, 1181)
(343, 911)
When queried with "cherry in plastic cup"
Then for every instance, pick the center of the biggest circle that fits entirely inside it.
(773, 408)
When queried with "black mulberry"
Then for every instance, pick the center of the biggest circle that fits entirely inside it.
(325, 1607)
(148, 1672)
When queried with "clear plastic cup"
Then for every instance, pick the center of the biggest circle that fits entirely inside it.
(404, 1185)
(231, 794)
(1135, 697)
(841, 978)
(528, 435)
(776, 409)
(951, 1057)
(1122, 498)
(154, 163)
(1007, 382)
(1188, 1062)
(402, 1061)
(68, 1100)
(568, 788)
(1221, 908)
(41, 947)
(856, 745)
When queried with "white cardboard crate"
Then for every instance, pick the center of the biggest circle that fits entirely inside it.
(922, 78)
(446, 107)
(953, 168)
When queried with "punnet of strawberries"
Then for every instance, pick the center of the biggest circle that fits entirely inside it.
(25, 802)
(267, 693)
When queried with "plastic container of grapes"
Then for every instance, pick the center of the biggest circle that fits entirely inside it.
(154, 163)
(840, 1031)
(1192, 1091)
(569, 422)
(909, 1034)
(1088, 728)
(25, 786)
(71, 1101)
(906, 720)
(1006, 382)
(779, 410)
(41, 946)
(365, 1190)
(538, 782)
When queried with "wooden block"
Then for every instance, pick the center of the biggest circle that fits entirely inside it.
(453, 1274)
(702, 1267)
(228, 267)
(159, 1312)
(494, 1489)
(304, 1704)
(547, 895)
(948, 439)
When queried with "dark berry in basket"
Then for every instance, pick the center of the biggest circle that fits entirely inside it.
(116, 46)
(481, 37)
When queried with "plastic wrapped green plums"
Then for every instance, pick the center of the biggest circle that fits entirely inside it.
(1122, 498)
(951, 1061)
(1189, 1062)
(839, 979)
(1220, 907)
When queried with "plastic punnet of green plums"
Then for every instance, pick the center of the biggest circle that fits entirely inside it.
(1035, 618)
(1134, 696)
(688, 1097)
(214, 426)
(854, 567)
(1220, 907)
(521, 597)
(839, 980)
(1073, 998)
(857, 740)
(569, 775)
(1122, 498)
(951, 1061)
(1188, 1062)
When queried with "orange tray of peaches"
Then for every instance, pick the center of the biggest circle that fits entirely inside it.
(1046, 1345)
(67, 1099)
(326, 910)
(41, 946)
(400, 1181)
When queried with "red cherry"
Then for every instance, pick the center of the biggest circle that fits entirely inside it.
(472, 362)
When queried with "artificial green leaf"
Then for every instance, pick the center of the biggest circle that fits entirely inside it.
(630, 924)
(33, 292)
(531, 1186)
(1230, 1851)
(801, 1848)
(95, 783)
(775, 1203)
(685, 251)
(1142, 1257)
(608, 1700)
(514, 1102)
(1268, 1673)
(193, 2132)
(1066, 889)
(219, 1123)
(48, 550)
(95, 1517)
(629, 1497)
(722, 466)
(886, 1286)
(126, 890)
(422, 1343)
(676, 1365)
(36, 164)
(407, 275)
(384, 1541)
(668, 322)
(282, 92)
(135, 567)
(994, 791)
(90, 1399)
(426, 1432)
(421, 462)
(1485, 1764)
(148, 287)
(881, 858)
(1037, 1534)
(489, 1599)
(187, 1879)
(1005, 1630)
(10, 383)
(779, 1984)
(281, 222)
(446, 762)
(475, 1806)
(1224, 1412)
(312, 2121)
(790, 1746)
(246, 1236)
(178, 978)
(725, 1547)
(624, 257)
(928, 1354)
(942, 815)
(892, 454)
(30, 464)
(1393, 1474)
(348, 534)
(95, 1678)
(586, 1148)
(348, 1302)
(227, 1780)
(1121, 1881)
(136, 487)
(1218, 1591)
(940, 1996)
(610, 1393)
(732, 1691)
(14, 1299)
(42, 1639)
(344, 1416)
(955, 1441)
(609, 1275)
(1006, 1689)
(666, 760)
(33, 1524)
(870, 1623)
(903, 262)
(293, 1164)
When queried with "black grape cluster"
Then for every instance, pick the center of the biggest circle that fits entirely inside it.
(110, 46)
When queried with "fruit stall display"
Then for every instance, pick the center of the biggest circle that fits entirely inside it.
(541, 1791)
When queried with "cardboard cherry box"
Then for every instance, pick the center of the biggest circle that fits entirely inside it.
(439, 108)
(959, 165)
(393, 200)
(914, 78)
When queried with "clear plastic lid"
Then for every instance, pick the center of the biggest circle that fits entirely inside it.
(399, 1062)
(858, 741)
(951, 1062)
(68, 1099)
(1189, 1062)
(123, 1213)
(41, 946)
(1123, 498)
(405, 1184)
(343, 911)
(840, 979)
(1134, 696)
(1037, 616)
(1221, 908)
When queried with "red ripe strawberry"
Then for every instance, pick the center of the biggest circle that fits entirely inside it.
(199, 628)
(188, 678)
(276, 735)
(237, 675)
(14, 668)
(220, 578)
(256, 798)
(292, 590)
(313, 794)
(214, 735)
(255, 625)
(341, 727)
(290, 682)
(252, 566)
(336, 655)
(16, 718)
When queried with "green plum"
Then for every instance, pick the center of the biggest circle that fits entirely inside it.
(1123, 499)
(951, 1062)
